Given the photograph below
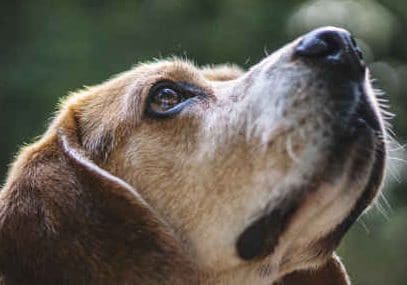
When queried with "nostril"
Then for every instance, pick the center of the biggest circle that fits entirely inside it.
(357, 49)
(334, 42)
(312, 47)
(359, 53)
(321, 43)
(354, 44)
(331, 46)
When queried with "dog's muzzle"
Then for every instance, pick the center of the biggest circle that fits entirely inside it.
(334, 54)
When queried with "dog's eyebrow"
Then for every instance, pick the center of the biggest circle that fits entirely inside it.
(192, 88)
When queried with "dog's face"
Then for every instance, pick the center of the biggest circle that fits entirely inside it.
(257, 173)
(267, 167)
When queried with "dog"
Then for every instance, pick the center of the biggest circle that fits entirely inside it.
(176, 174)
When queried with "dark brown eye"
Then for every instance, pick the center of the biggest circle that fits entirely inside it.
(167, 98)
(164, 99)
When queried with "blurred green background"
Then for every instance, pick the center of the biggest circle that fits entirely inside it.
(51, 47)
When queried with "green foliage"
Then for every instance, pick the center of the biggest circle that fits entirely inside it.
(51, 47)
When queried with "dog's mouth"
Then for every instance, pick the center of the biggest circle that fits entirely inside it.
(363, 136)
(357, 148)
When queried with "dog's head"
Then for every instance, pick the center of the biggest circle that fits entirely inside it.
(245, 176)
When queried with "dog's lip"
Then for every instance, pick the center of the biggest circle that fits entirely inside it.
(366, 127)
(261, 237)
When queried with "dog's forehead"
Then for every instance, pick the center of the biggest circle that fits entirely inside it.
(180, 70)
(175, 70)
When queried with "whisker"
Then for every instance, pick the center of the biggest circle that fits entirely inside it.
(401, 147)
(394, 173)
(364, 225)
(398, 159)
(386, 202)
(266, 52)
(382, 209)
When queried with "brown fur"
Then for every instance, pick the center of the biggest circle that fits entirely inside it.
(110, 196)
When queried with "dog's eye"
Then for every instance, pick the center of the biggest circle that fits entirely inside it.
(169, 98)
(164, 99)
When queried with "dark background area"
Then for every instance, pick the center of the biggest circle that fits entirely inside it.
(50, 48)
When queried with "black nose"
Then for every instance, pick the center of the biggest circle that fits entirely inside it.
(332, 45)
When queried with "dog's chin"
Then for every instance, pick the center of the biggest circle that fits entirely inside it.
(353, 167)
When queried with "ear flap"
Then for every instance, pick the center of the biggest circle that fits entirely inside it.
(331, 273)
(63, 219)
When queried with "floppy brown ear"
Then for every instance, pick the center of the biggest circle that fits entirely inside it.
(331, 273)
(65, 220)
